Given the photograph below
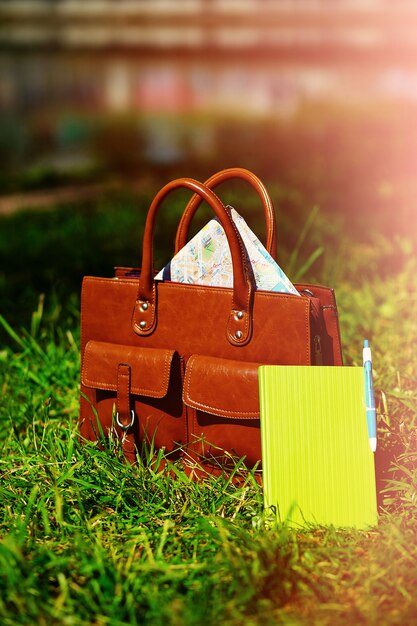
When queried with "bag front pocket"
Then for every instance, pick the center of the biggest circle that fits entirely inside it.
(144, 383)
(224, 398)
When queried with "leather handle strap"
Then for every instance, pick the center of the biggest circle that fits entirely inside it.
(125, 416)
(239, 325)
(214, 181)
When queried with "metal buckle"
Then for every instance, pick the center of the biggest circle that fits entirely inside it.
(123, 426)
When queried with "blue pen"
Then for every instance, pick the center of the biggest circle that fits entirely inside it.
(369, 395)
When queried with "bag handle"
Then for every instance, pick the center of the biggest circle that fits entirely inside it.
(239, 324)
(217, 179)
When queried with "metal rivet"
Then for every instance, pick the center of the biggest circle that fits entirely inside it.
(238, 334)
(239, 315)
(142, 324)
(145, 306)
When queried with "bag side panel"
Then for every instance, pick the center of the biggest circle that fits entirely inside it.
(332, 347)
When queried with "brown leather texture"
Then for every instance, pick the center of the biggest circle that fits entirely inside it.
(239, 319)
(181, 370)
(217, 386)
(150, 368)
(331, 341)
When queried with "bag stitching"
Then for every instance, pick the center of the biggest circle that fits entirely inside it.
(122, 378)
(195, 403)
(135, 390)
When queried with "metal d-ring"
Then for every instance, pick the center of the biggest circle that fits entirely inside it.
(123, 426)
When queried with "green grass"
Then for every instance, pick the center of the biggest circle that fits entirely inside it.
(86, 539)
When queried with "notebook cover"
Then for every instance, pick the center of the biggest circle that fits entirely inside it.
(318, 467)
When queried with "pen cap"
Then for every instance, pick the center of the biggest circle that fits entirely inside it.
(367, 355)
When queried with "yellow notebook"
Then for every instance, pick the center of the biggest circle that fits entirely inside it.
(318, 467)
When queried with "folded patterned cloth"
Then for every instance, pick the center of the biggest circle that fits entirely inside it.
(206, 260)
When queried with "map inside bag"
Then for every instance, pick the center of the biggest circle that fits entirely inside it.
(206, 260)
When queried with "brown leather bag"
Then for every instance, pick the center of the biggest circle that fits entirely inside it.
(177, 364)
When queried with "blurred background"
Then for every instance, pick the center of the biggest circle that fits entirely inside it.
(103, 102)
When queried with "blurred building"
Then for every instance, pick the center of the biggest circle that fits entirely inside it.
(260, 56)
(210, 57)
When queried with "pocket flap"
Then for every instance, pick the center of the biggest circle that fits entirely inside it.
(222, 387)
(150, 368)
